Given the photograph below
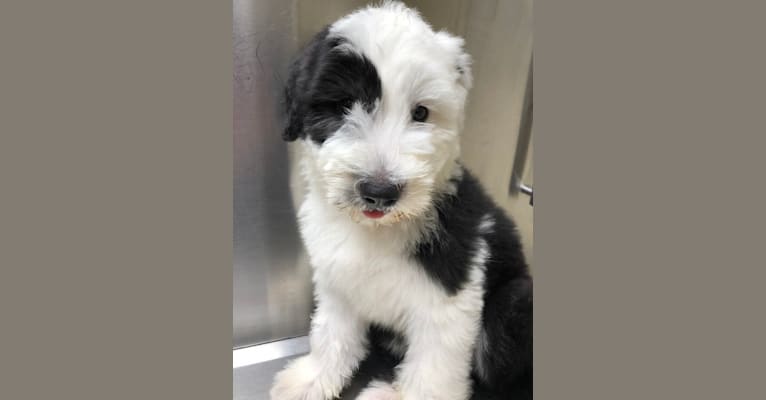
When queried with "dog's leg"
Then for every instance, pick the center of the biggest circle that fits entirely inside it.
(338, 344)
(437, 365)
(504, 352)
(379, 390)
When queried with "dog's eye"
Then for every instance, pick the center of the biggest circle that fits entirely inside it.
(420, 114)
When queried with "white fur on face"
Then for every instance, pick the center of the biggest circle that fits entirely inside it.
(416, 67)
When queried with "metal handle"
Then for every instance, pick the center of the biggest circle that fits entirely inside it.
(522, 143)
(528, 191)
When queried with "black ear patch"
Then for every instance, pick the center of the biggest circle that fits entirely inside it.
(323, 83)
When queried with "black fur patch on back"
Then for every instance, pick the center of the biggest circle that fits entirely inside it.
(323, 84)
(446, 255)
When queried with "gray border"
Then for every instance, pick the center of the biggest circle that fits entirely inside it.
(115, 268)
(649, 200)
(115, 167)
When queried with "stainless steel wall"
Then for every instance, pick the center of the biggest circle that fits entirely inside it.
(271, 286)
(272, 289)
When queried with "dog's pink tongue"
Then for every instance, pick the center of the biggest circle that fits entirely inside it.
(373, 214)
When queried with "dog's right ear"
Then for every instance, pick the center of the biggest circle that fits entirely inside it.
(294, 119)
(298, 86)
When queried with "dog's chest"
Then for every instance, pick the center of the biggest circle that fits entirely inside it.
(371, 269)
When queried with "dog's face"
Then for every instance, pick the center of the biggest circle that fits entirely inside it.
(378, 100)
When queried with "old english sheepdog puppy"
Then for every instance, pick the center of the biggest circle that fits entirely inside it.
(404, 243)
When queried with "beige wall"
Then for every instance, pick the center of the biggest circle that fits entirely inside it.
(498, 36)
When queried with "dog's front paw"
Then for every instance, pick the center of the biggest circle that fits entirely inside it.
(378, 390)
(301, 380)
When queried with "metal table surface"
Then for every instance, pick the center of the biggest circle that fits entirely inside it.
(253, 381)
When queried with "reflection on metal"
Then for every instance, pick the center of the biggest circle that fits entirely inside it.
(270, 351)
(528, 191)
(272, 291)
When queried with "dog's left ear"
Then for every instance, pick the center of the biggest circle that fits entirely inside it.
(454, 45)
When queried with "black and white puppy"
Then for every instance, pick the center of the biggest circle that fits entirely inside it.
(399, 234)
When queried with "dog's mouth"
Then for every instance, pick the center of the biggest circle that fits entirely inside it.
(374, 214)
(379, 216)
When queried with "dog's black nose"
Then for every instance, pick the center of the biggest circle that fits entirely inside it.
(379, 194)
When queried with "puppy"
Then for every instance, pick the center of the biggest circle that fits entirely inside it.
(401, 237)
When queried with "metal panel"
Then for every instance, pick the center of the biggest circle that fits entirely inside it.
(271, 287)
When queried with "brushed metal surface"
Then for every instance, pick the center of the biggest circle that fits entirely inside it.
(272, 287)
(254, 382)
(266, 352)
(272, 293)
